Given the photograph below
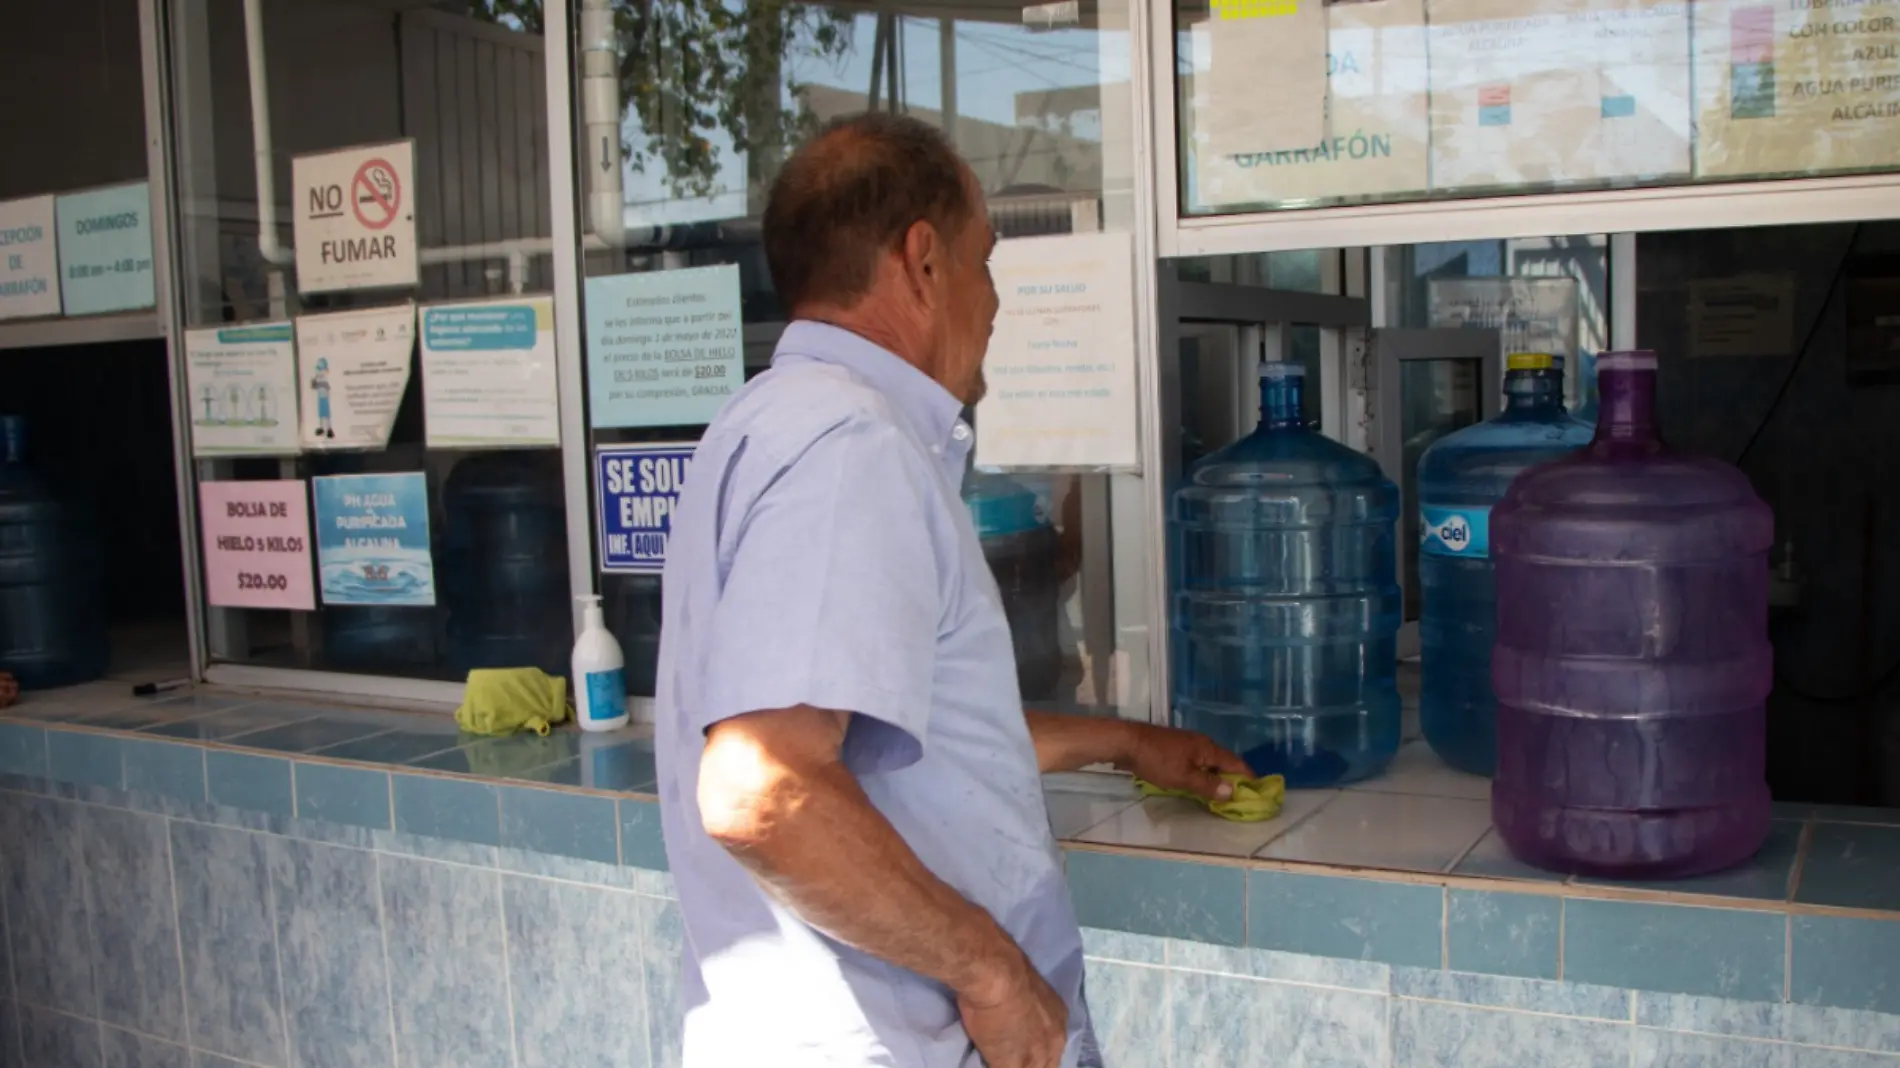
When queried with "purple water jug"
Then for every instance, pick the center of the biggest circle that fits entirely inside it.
(1632, 664)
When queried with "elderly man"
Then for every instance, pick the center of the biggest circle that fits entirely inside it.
(849, 783)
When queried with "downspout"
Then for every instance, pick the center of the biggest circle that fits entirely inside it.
(600, 122)
(269, 245)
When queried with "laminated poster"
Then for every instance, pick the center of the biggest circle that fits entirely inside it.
(1527, 92)
(488, 376)
(1796, 87)
(1375, 137)
(29, 258)
(373, 539)
(639, 487)
(1061, 364)
(354, 368)
(105, 250)
(664, 348)
(241, 382)
(257, 544)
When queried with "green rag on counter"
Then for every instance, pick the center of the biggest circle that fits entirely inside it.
(499, 701)
(1254, 800)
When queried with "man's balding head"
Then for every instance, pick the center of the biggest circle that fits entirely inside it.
(877, 226)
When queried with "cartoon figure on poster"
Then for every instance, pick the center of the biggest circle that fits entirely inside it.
(320, 384)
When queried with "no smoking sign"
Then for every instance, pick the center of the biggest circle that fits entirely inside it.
(355, 225)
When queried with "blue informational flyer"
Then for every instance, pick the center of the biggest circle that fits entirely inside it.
(373, 539)
(639, 487)
(105, 250)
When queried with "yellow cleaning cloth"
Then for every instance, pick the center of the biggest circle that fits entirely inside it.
(500, 701)
(1254, 800)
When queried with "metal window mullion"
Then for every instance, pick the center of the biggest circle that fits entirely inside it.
(575, 468)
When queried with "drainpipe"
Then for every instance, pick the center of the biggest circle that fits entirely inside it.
(268, 243)
(600, 119)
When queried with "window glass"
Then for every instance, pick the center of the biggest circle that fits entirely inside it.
(89, 55)
(1307, 103)
(424, 481)
(686, 117)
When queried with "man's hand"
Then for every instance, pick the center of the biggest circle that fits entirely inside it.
(1181, 760)
(1016, 1020)
(9, 689)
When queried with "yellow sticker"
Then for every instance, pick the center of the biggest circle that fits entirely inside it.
(1228, 10)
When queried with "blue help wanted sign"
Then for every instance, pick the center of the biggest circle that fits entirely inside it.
(639, 485)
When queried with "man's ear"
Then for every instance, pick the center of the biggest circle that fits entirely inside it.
(923, 257)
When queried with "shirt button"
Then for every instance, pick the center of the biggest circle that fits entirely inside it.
(961, 432)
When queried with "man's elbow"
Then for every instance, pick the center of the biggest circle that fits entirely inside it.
(746, 797)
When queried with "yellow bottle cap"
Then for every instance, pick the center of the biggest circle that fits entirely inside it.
(1529, 361)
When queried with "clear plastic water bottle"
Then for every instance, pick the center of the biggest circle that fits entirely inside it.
(1632, 664)
(1286, 604)
(1459, 479)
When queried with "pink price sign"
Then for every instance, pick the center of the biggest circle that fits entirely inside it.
(257, 544)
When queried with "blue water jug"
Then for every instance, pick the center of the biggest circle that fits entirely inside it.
(52, 595)
(1286, 604)
(1459, 478)
(504, 562)
(1021, 548)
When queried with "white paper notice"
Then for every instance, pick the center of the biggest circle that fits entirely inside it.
(354, 368)
(355, 218)
(1061, 363)
(242, 386)
(488, 374)
(1748, 315)
(29, 258)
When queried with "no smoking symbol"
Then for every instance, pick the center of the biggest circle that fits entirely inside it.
(375, 194)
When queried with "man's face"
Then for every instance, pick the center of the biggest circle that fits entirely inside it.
(967, 302)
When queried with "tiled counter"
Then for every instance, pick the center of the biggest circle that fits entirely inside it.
(221, 879)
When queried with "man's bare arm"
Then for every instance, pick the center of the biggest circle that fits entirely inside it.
(774, 792)
(1170, 758)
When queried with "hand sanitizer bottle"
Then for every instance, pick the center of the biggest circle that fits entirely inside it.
(600, 689)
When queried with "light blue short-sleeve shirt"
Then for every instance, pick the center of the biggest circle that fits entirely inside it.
(821, 555)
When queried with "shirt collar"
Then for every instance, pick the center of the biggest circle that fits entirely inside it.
(930, 408)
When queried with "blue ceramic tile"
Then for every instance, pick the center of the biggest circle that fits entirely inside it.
(1492, 859)
(1809, 1057)
(165, 769)
(22, 750)
(660, 941)
(123, 1049)
(201, 1059)
(145, 713)
(1670, 1049)
(1846, 963)
(229, 942)
(626, 766)
(1122, 946)
(1427, 1034)
(358, 797)
(1505, 992)
(1710, 1016)
(1724, 953)
(447, 957)
(557, 931)
(447, 851)
(48, 929)
(330, 943)
(1166, 898)
(395, 747)
(651, 883)
(566, 773)
(56, 1040)
(1502, 934)
(448, 808)
(567, 825)
(1888, 817)
(640, 843)
(567, 869)
(129, 892)
(1852, 866)
(85, 759)
(311, 734)
(504, 758)
(230, 724)
(1764, 877)
(1358, 919)
(254, 783)
(1815, 1025)
(1220, 1022)
(1127, 1004)
(1244, 962)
